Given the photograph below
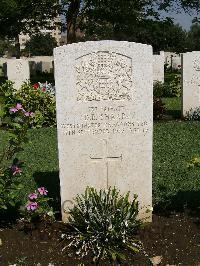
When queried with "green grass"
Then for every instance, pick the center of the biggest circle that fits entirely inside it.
(176, 143)
(173, 106)
(174, 185)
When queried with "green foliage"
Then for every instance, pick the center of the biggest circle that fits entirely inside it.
(40, 45)
(194, 162)
(158, 108)
(41, 101)
(193, 40)
(161, 34)
(6, 47)
(10, 188)
(25, 16)
(158, 89)
(138, 21)
(17, 123)
(171, 87)
(104, 223)
(193, 114)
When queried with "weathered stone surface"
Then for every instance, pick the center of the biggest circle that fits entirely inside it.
(158, 66)
(104, 119)
(41, 64)
(190, 81)
(18, 71)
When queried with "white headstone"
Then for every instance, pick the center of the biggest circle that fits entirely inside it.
(104, 119)
(173, 60)
(190, 81)
(18, 71)
(158, 66)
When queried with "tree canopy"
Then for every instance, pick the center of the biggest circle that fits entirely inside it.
(25, 16)
(193, 41)
(117, 19)
(40, 44)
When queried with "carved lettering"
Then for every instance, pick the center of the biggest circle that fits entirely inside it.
(105, 120)
(103, 76)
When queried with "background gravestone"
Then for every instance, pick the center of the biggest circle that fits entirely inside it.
(18, 71)
(158, 66)
(104, 119)
(190, 81)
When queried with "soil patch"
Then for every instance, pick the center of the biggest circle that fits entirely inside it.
(176, 238)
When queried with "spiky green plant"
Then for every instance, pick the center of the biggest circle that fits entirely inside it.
(104, 223)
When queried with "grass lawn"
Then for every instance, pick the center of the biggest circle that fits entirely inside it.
(175, 143)
(173, 106)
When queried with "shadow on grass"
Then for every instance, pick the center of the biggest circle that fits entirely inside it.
(50, 180)
(184, 201)
(175, 114)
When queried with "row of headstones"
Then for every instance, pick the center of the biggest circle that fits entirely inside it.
(190, 65)
(30, 66)
(104, 103)
(19, 71)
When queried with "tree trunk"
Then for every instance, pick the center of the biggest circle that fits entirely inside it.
(72, 15)
(17, 47)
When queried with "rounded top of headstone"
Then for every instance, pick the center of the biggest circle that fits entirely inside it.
(99, 44)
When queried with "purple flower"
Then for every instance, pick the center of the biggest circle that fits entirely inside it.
(29, 114)
(42, 191)
(32, 196)
(16, 108)
(32, 206)
(16, 170)
(13, 110)
(19, 106)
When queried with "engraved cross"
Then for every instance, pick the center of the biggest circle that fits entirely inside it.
(106, 159)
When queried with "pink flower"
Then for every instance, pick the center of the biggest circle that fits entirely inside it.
(42, 191)
(32, 206)
(32, 196)
(43, 89)
(16, 108)
(29, 114)
(19, 106)
(16, 170)
(13, 110)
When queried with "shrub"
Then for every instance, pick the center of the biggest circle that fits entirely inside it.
(40, 45)
(158, 108)
(17, 126)
(193, 114)
(194, 162)
(172, 85)
(158, 89)
(10, 186)
(104, 223)
(39, 97)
